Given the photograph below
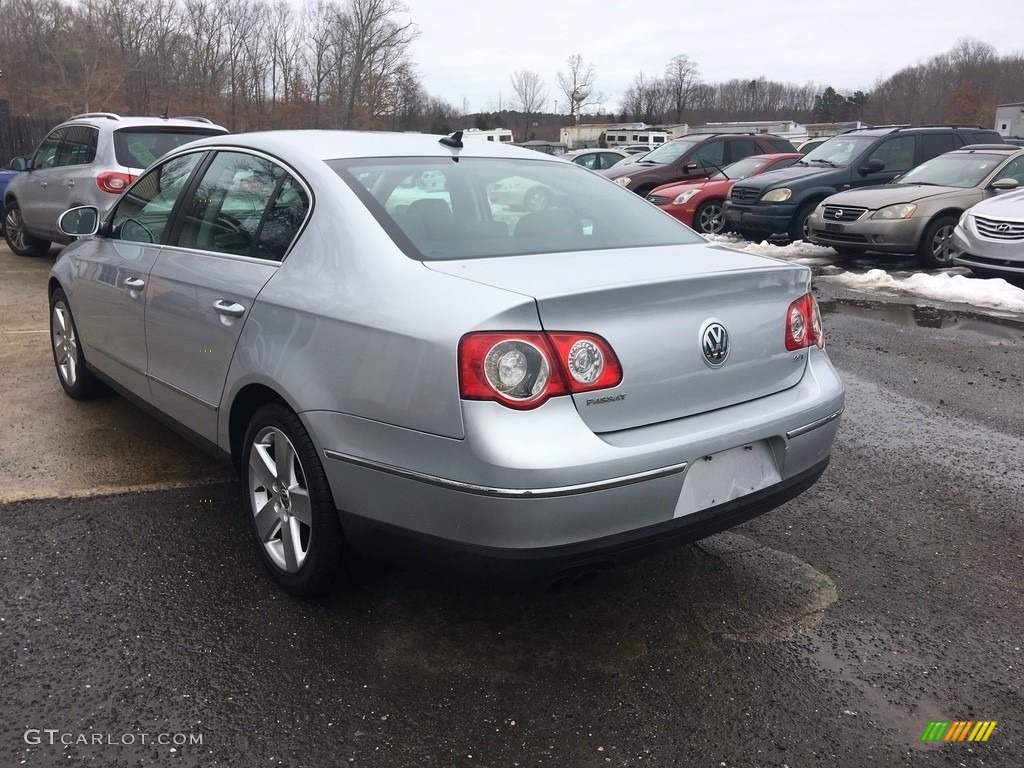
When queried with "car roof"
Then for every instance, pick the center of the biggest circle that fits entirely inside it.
(1007, 149)
(111, 120)
(336, 145)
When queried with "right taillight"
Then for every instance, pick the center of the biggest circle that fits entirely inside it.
(524, 370)
(803, 324)
(113, 182)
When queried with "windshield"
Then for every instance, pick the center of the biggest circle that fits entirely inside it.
(667, 153)
(967, 170)
(436, 209)
(839, 150)
(141, 147)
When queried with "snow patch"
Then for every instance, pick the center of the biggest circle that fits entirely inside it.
(990, 293)
(994, 293)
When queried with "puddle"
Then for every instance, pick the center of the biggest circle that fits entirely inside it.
(926, 316)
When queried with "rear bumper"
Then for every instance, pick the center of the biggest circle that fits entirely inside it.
(538, 485)
(544, 566)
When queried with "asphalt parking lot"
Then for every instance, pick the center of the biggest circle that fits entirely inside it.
(138, 628)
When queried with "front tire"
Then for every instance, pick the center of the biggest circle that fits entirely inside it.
(291, 509)
(936, 250)
(799, 229)
(709, 218)
(72, 372)
(17, 236)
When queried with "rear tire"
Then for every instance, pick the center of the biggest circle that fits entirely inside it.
(17, 237)
(290, 507)
(936, 250)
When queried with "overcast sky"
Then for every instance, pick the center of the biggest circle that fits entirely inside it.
(468, 50)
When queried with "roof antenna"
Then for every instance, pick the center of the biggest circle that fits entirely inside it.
(455, 140)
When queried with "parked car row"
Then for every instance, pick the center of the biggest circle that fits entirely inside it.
(939, 192)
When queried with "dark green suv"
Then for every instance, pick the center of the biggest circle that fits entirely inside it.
(780, 202)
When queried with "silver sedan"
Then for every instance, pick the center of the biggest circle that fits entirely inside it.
(417, 372)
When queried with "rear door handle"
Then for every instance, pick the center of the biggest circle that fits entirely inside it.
(134, 284)
(69, 183)
(229, 308)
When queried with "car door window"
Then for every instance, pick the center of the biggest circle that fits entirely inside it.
(896, 154)
(46, 154)
(740, 148)
(143, 213)
(283, 220)
(78, 147)
(236, 193)
(710, 154)
(935, 144)
(1012, 170)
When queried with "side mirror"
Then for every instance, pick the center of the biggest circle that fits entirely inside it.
(874, 165)
(80, 222)
(1001, 185)
(19, 163)
(691, 167)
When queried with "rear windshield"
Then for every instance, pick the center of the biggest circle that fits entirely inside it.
(438, 209)
(140, 147)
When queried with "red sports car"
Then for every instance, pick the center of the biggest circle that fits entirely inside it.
(698, 204)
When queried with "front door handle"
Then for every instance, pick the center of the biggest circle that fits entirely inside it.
(69, 183)
(229, 308)
(134, 284)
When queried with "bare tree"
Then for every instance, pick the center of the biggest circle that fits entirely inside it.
(578, 86)
(376, 46)
(682, 77)
(531, 95)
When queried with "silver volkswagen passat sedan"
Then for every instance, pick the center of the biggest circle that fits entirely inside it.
(423, 373)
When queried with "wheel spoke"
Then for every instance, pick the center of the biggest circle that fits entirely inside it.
(285, 456)
(267, 521)
(301, 507)
(262, 466)
(291, 541)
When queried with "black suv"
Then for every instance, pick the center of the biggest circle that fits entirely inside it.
(696, 156)
(780, 202)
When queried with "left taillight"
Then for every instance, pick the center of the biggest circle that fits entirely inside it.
(113, 182)
(524, 370)
(803, 324)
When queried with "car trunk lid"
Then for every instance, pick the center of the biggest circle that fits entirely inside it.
(653, 306)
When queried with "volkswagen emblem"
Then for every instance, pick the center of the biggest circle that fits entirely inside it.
(714, 341)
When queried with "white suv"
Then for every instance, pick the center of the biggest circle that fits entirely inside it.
(86, 160)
